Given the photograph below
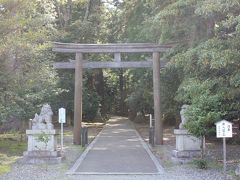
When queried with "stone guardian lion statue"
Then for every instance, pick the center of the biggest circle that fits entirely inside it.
(44, 119)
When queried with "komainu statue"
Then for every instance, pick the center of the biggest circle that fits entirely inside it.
(44, 119)
(183, 116)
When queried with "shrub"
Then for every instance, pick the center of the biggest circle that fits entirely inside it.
(200, 163)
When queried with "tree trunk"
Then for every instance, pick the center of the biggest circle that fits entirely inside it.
(210, 27)
(87, 11)
(202, 147)
(100, 88)
(69, 10)
(64, 13)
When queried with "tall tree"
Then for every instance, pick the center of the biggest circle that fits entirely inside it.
(26, 78)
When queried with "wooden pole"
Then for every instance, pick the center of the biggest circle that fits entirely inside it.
(156, 93)
(224, 157)
(78, 99)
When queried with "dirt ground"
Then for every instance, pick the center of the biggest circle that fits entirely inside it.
(72, 152)
(214, 148)
(13, 144)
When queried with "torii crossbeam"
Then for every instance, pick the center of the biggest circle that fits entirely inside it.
(78, 64)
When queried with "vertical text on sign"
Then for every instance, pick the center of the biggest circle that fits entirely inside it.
(223, 129)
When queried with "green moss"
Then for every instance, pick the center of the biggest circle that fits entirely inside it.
(215, 165)
(167, 163)
(4, 169)
(68, 133)
(5, 163)
(200, 163)
(11, 148)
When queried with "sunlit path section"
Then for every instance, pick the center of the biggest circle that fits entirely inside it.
(118, 149)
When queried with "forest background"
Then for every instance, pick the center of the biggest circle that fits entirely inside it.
(203, 68)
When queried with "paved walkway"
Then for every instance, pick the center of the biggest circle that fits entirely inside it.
(117, 154)
(117, 150)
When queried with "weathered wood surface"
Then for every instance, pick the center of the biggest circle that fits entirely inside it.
(94, 65)
(110, 48)
(117, 57)
(156, 94)
(78, 99)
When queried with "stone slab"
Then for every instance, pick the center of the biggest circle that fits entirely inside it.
(34, 144)
(42, 153)
(181, 132)
(38, 131)
(186, 154)
(41, 160)
(41, 157)
(186, 142)
(237, 170)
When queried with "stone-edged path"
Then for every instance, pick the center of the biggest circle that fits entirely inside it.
(175, 172)
(117, 150)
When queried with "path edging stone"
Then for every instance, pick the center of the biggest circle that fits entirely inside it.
(74, 168)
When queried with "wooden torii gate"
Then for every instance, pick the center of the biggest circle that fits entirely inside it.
(78, 64)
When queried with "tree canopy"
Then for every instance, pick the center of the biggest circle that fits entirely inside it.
(203, 68)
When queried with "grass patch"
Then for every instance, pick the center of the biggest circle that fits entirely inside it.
(168, 163)
(200, 163)
(5, 162)
(215, 165)
(4, 169)
(232, 174)
(11, 148)
(68, 133)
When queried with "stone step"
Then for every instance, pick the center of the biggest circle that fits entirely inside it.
(41, 160)
(46, 154)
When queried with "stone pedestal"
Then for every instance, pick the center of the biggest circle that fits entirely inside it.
(237, 170)
(187, 146)
(39, 151)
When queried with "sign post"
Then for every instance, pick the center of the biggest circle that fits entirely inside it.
(224, 130)
(62, 119)
(151, 131)
(150, 120)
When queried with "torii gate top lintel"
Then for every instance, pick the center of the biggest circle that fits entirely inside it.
(110, 48)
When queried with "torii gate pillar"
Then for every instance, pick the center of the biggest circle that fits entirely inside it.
(78, 99)
(156, 96)
(79, 49)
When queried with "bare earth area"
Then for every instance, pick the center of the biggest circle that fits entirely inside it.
(42, 172)
(171, 171)
(213, 155)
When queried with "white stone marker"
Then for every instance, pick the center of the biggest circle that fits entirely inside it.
(224, 130)
(62, 119)
(151, 119)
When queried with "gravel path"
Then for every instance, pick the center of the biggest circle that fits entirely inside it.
(183, 172)
(72, 152)
(118, 150)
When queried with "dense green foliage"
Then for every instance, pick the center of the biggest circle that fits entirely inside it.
(203, 69)
(26, 78)
(209, 64)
